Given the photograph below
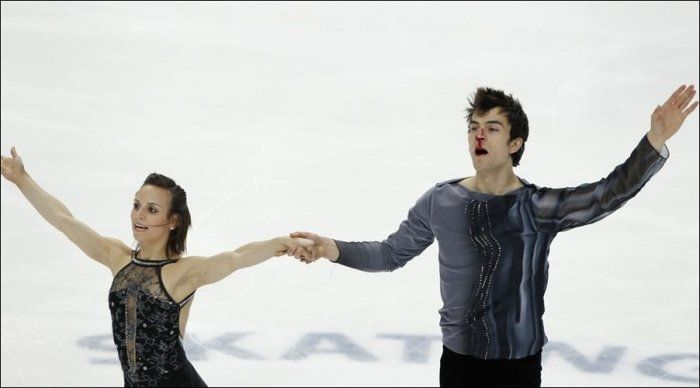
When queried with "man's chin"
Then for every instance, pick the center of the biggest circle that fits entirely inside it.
(482, 165)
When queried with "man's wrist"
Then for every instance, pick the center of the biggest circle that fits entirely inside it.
(655, 140)
(330, 249)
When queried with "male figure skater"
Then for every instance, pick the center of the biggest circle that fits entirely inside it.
(494, 231)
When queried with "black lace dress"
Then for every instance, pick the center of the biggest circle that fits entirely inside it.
(146, 327)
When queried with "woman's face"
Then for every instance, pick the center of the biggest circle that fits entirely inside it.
(149, 215)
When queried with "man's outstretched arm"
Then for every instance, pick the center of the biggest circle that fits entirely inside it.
(410, 240)
(561, 209)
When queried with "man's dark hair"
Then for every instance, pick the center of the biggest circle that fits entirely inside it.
(178, 205)
(486, 99)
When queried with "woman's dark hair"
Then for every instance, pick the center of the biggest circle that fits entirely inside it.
(486, 99)
(178, 205)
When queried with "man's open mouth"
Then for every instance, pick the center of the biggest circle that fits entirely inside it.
(480, 151)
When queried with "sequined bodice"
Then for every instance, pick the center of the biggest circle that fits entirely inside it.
(145, 323)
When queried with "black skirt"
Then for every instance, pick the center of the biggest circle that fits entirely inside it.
(186, 376)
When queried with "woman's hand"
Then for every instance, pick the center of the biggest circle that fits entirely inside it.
(302, 248)
(12, 168)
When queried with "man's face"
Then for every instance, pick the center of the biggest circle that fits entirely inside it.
(488, 141)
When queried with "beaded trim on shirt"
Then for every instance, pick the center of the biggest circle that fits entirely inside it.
(150, 263)
(481, 233)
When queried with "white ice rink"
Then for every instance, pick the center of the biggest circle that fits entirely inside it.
(335, 118)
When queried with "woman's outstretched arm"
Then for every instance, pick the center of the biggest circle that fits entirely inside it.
(200, 271)
(104, 250)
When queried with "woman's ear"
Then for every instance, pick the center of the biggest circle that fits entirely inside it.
(174, 222)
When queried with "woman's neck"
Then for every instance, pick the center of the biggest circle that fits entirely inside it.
(152, 252)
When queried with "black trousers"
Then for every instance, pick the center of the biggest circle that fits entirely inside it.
(458, 370)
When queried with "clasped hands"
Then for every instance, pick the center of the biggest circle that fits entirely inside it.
(309, 247)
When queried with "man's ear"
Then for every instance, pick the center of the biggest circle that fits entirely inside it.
(515, 145)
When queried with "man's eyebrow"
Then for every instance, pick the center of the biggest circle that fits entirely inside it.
(488, 122)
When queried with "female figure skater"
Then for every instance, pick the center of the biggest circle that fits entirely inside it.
(153, 285)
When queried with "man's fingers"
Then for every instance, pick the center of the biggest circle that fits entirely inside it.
(309, 236)
(686, 100)
(674, 96)
(305, 254)
(690, 109)
(682, 96)
(311, 253)
(13, 152)
(303, 242)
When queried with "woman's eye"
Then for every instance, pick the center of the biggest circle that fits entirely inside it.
(153, 210)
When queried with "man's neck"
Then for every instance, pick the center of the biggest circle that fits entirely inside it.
(495, 184)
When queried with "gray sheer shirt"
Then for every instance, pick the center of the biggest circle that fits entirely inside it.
(493, 251)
